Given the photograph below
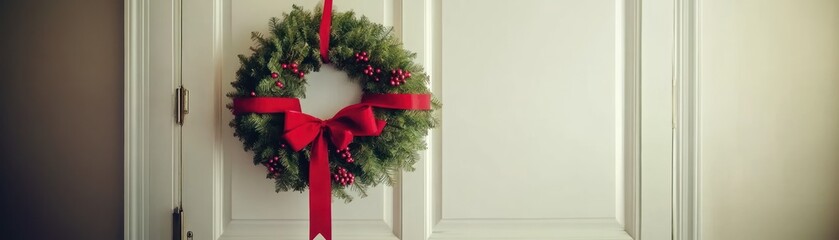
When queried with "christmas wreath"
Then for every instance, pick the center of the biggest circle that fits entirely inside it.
(365, 144)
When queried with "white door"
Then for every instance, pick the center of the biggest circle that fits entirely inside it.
(539, 136)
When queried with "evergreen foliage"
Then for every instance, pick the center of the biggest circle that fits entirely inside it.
(295, 39)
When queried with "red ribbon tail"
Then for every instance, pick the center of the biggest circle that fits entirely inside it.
(320, 190)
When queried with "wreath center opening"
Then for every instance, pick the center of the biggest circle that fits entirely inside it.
(328, 91)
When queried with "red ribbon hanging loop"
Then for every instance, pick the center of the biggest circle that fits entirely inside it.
(325, 29)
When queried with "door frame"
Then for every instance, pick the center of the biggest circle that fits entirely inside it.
(149, 164)
(149, 129)
(686, 144)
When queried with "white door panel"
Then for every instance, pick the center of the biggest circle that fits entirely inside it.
(530, 127)
(532, 121)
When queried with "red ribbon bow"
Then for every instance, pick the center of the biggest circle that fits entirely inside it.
(354, 120)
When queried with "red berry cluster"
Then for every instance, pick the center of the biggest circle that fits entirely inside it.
(399, 76)
(276, 75)
(293, 68)
(273, 166)
(343, 177)
(346, 155)
(370, 71)
(362, 57)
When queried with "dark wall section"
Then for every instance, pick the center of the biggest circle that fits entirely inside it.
(61, 90)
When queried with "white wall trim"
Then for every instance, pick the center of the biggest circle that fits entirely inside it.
(135, 119)
(686, 158)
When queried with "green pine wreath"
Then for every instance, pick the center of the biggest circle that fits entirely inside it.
(372, 57)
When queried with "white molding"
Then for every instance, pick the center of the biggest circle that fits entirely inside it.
(254, 229)
(632, 117)
(220, 42)
(580, 229)
(656, 103)
(686, 159)
(223, 224)
(135, 115)
(418, 31)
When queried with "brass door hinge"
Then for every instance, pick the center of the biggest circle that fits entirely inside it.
(181, 104)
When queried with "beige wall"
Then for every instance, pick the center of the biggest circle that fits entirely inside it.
(770, 119)
(61, 119)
